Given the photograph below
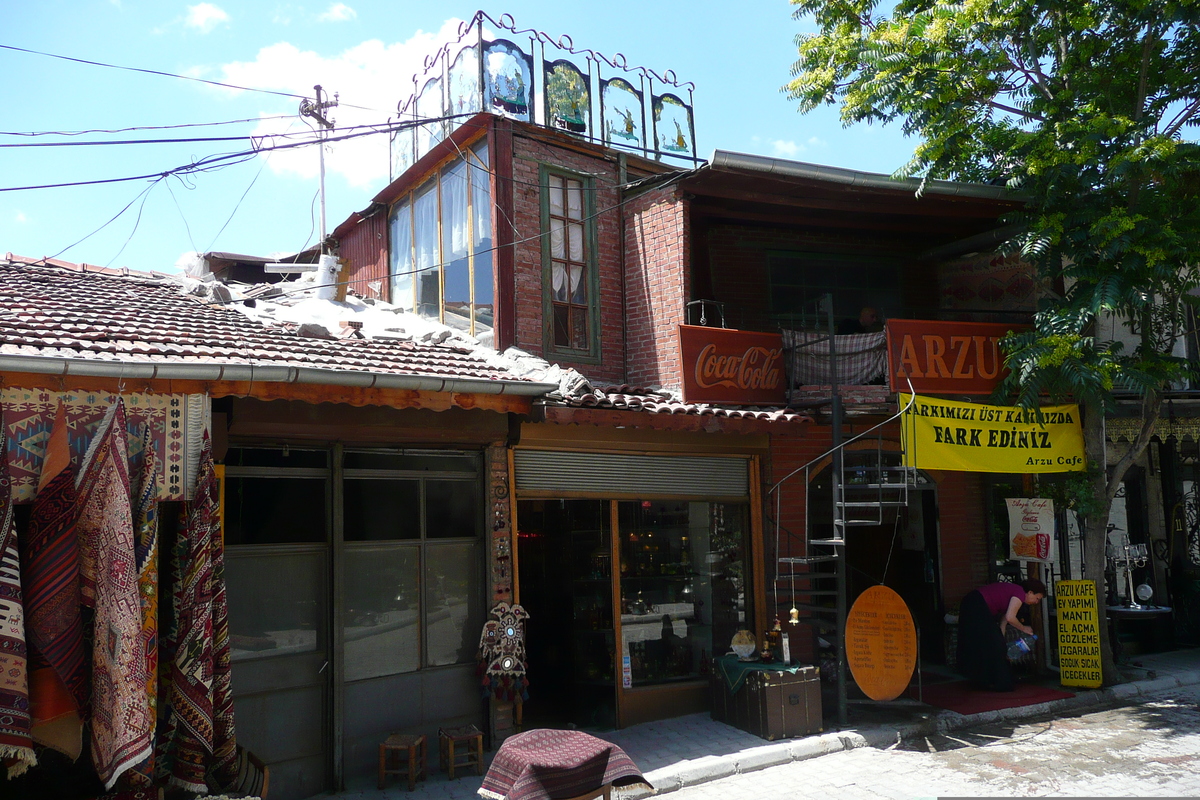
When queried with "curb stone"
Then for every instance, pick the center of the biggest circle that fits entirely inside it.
(698, 771)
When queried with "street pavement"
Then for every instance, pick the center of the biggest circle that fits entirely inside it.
(1151, 749)
(1137, 739)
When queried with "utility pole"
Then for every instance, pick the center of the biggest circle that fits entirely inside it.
(316, 110)
(328, 266)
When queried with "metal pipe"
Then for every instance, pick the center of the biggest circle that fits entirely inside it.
(259, 373)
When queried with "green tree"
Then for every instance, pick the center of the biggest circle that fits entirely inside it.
(1086, 108)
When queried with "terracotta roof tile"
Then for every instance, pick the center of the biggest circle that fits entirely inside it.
(632, 398)
(65, 312)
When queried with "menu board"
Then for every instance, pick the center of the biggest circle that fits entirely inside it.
(1031, 529)
(881, 643)
(1078, 633)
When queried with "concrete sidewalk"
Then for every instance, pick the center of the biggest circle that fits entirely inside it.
(691, 750)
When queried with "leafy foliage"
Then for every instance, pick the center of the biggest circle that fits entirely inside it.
(1082, 107)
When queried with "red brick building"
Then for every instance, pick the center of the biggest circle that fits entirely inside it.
(647, 525)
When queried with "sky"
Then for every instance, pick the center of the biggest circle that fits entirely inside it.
(739, 55)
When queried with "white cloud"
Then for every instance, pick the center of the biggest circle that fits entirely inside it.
(21, 218)
(204, 17)
(785, 148)
(338, 12)
(372, 75)
(813, 141)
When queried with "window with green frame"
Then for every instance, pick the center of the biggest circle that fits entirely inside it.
(570, 287)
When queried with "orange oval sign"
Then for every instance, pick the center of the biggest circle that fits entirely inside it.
(881, 643)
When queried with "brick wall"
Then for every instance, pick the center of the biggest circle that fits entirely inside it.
(657, 285)
(528, 155)
(963, 531)
(735, 257)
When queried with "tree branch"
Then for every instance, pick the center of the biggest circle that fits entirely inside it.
(1150, 414)
(1017, 111)
(1181, 118)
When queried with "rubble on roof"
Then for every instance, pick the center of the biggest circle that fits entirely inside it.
(294, 306)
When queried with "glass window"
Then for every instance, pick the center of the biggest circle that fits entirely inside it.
(432, 461)
(452, 509)
(449, 274)
(425, 228)
(276, 457)
(683, 585)
(481, 211)
(453, 603)
(570, 289)
(381, 620)
(278, 600)
(274, 510)
(456, 244)
(379, 510)
(403, 279)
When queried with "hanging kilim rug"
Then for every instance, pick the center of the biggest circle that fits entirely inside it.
(58, 681)
(145, 530)
(16, 744)
(223, 771)
(121, 722)
(200, 724)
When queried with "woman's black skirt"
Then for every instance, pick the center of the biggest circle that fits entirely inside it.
(982, 651)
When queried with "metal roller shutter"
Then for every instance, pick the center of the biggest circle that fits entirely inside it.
(550, 471)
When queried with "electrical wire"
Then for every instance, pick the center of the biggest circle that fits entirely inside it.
(168, 75)
(145, 127)
(492, 249)
(204, 164)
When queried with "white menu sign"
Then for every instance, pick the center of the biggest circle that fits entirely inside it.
(1031, 529)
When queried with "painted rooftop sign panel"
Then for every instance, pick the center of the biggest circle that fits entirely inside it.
(728, 366)
(531, 76)
(936, 357)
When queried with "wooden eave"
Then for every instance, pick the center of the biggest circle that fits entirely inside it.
(313, 394)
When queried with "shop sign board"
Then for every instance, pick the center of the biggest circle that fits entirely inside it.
(1031, 529)
(881, 643)
(973, 437)
(721, 365)
(1078, 615)
(946, 357)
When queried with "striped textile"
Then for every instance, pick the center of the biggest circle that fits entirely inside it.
(199, 726)
(16, 743)
(145, 529)
(544, 764)
(58, 679)
(121, 723)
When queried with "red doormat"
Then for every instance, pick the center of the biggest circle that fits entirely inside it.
(961, 697)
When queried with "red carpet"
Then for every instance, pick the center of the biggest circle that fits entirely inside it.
(959, 696)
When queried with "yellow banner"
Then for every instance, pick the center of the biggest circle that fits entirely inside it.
(971, 437)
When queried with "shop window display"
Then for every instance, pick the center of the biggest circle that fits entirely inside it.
(683, 586)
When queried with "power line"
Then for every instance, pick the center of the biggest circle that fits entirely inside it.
(145, 127)
(166, 75)
(188, 140)
(211, 162)
(150, 72)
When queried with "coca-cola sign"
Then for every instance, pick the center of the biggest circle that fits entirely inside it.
(734, 367)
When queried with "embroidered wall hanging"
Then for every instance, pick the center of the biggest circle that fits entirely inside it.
(502, 654)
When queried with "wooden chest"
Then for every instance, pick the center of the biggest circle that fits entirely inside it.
(773, 704)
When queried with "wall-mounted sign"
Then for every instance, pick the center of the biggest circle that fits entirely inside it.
(1078, 616)
(972, 437)
(881, 643)
(1031, 529)
(727, 366)
(946, 357)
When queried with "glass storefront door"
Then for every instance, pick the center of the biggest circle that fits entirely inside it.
(680, 591)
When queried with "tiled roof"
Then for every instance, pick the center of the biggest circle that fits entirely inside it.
(84, 313)
(632, 398)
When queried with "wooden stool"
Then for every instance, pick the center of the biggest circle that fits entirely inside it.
(470, 755)
(403, 744)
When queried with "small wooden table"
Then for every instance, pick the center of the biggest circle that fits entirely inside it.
(413, 766)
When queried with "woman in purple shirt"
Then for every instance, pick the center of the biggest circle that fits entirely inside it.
(983, 617)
